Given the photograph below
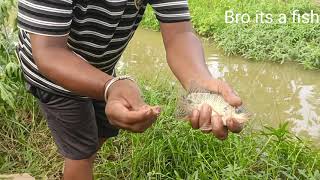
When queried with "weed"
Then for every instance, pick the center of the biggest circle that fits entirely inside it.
(261, 42)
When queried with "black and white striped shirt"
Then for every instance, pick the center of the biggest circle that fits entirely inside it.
(98, 30)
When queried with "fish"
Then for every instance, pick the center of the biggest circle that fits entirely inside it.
(195, 98)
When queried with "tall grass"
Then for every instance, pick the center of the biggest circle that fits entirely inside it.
(271, 42)
(23, 134)
(172, 150)
(168, 150)
(10, 76)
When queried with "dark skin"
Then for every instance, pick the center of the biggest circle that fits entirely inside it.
(187, 63)
(125, 107)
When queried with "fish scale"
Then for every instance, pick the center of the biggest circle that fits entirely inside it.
(195, 100)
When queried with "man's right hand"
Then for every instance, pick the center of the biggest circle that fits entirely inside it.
(126, 109)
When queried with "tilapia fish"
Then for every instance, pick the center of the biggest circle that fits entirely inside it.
(195, 99)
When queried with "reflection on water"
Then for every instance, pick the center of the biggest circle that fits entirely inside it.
(274, 93)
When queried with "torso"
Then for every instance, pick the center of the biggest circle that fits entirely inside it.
(100, 31)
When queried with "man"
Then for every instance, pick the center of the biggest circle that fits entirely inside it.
(68, 50)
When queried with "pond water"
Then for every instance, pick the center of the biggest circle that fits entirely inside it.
(274, 93)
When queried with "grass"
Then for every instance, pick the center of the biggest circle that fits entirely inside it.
(168, 150)
(260, 42)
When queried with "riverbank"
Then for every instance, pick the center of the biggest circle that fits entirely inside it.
(168, 150)
(274, 42)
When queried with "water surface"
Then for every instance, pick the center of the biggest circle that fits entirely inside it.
(274, 93)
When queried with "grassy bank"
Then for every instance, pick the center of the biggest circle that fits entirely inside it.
(270, 42)
(168, 150)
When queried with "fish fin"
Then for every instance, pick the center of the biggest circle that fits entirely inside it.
(243, 110)
(180, 113)
(196, 88)
(219, 99)
(182, 108)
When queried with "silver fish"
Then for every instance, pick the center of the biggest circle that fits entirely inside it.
(195, 99)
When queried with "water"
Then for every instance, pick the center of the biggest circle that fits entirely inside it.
(274, 93)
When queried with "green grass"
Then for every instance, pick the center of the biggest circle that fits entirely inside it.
(168, 150)
(261, 42)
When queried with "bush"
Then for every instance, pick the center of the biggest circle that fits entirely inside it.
(260, 42)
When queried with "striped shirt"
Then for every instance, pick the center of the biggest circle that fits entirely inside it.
(98, 30)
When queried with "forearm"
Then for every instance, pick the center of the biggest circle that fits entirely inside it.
(68, 70)
(185, 57)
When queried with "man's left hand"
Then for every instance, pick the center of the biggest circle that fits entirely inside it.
(202, 119)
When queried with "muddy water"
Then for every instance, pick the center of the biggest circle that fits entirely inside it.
(274, 93)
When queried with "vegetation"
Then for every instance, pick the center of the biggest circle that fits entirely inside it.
(169, 150)
(273, 42)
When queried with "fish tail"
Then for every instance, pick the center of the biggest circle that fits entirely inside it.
(182, 109)
(194, 87)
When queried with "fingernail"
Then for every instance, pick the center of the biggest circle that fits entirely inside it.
(195, 113)
(206, 127)
(158, 109)
(235, 92)
(148, 110)
(223, 138)
(229, 122)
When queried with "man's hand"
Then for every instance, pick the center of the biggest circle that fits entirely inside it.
(202, 119)
(126, 109)
(187, 61)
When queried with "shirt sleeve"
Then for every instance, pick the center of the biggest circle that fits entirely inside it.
(170, 11)
(45, 17)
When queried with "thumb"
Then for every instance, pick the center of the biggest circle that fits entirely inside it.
(229, 94)
(136, 102)
(233, 99)
(119, 113)
(144, 113)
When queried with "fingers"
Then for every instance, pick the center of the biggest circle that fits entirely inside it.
(218, 129)
(145, 113)
(142, 119)
(136, 102)
(194, 119)
(156, 109)
(128, 91)
(205, 118)
(228, 93)
(234, 126)
(115, 111)
(126, 108)
(201, 119)
(134, 120)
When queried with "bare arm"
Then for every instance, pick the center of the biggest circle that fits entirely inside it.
(184, 53)
(186, 59)
(59, 64)
(125, 108)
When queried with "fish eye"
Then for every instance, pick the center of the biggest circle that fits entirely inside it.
(238, 110)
